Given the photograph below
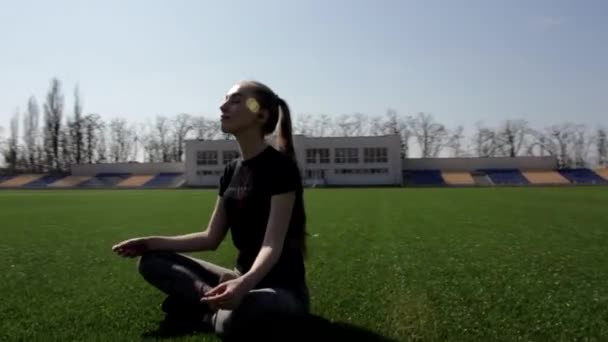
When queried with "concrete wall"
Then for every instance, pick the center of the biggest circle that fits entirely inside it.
(302, 143)
(134, 168)
(391, 142)
(471, 164)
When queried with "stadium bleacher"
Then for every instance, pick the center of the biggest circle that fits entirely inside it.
(44, 181)
(506, 176)
(458, 178)
(165, 180)
(20, 180)
(427, 177)
(4, 178)
(69, 181)
(135, 181)
(481, 178)
(602, 173)
(104, 180)
(423, 177)
(582, 176)
(545, 177)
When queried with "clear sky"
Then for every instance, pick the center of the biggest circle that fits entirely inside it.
(462, 61)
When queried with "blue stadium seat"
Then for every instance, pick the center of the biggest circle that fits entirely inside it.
(104, 180)
(5, 177)
(506, 176)
(424, 177)
(164, 180)
(44, 181)
(582, 176)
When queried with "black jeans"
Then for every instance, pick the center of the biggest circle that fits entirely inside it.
(186, 278)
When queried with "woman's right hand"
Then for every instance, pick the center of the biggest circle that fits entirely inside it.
(132, 247)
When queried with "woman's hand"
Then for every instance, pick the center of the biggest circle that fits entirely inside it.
(227, 295)
(132, 247)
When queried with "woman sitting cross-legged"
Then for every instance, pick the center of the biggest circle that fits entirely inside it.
(260, 202)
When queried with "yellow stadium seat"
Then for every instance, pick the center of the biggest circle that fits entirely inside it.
(135, 181)
(20, 180)
(458, 178)
(545, 177)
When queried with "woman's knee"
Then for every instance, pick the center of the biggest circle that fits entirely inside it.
(151, 263)
(259, 309)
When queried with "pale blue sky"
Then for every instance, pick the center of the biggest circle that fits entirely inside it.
(462, 61)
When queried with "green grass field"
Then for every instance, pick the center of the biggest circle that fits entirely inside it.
(408, 264)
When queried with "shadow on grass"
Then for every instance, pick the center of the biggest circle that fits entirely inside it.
(309, 328)
(172, 328)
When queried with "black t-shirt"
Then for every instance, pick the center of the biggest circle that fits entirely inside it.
(246, 188)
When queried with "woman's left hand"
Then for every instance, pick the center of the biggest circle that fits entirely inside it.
(227, 295)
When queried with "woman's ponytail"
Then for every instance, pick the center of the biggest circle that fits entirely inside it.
(284, 130)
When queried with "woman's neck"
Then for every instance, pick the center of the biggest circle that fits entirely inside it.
(251, 144)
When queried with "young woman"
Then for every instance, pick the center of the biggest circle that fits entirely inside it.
(261, 202)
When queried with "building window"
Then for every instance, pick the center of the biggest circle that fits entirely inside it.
(310, 156)
(321, 153)
(347, 155)
(324, 155)
(228, 156)
(208, 172)
(206, 158)
(375, 155)
(315, 174)
(360, 171)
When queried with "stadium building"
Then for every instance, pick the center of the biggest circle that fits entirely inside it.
(324, 161)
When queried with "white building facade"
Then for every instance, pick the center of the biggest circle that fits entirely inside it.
(331, 161)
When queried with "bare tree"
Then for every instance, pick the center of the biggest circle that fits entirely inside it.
(322, 126)
(101, 147)
(157, 137)
(511, 137)
(31, 135)
(303, 124)
(92, 125)
(11, 155)
(431, 136)
(199, 125)
(560, 138)
(181, 126)
(73, 136)
(360, 124)
(138, 136)
(455, 142)
(134, 137)
(393, 123)
(345, 125)
(77, 128)
(601, 142)
(485, 141)
(557, 140)
(534, 146)
(377, 126)
(151, 145)
(542, 143)
(163, 128)
(3, 147)
(205, 129)
(121, 142)
(581, 145)
(53, 112)
(66, 146)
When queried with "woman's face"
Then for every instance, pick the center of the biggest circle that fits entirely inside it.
(240, 111)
